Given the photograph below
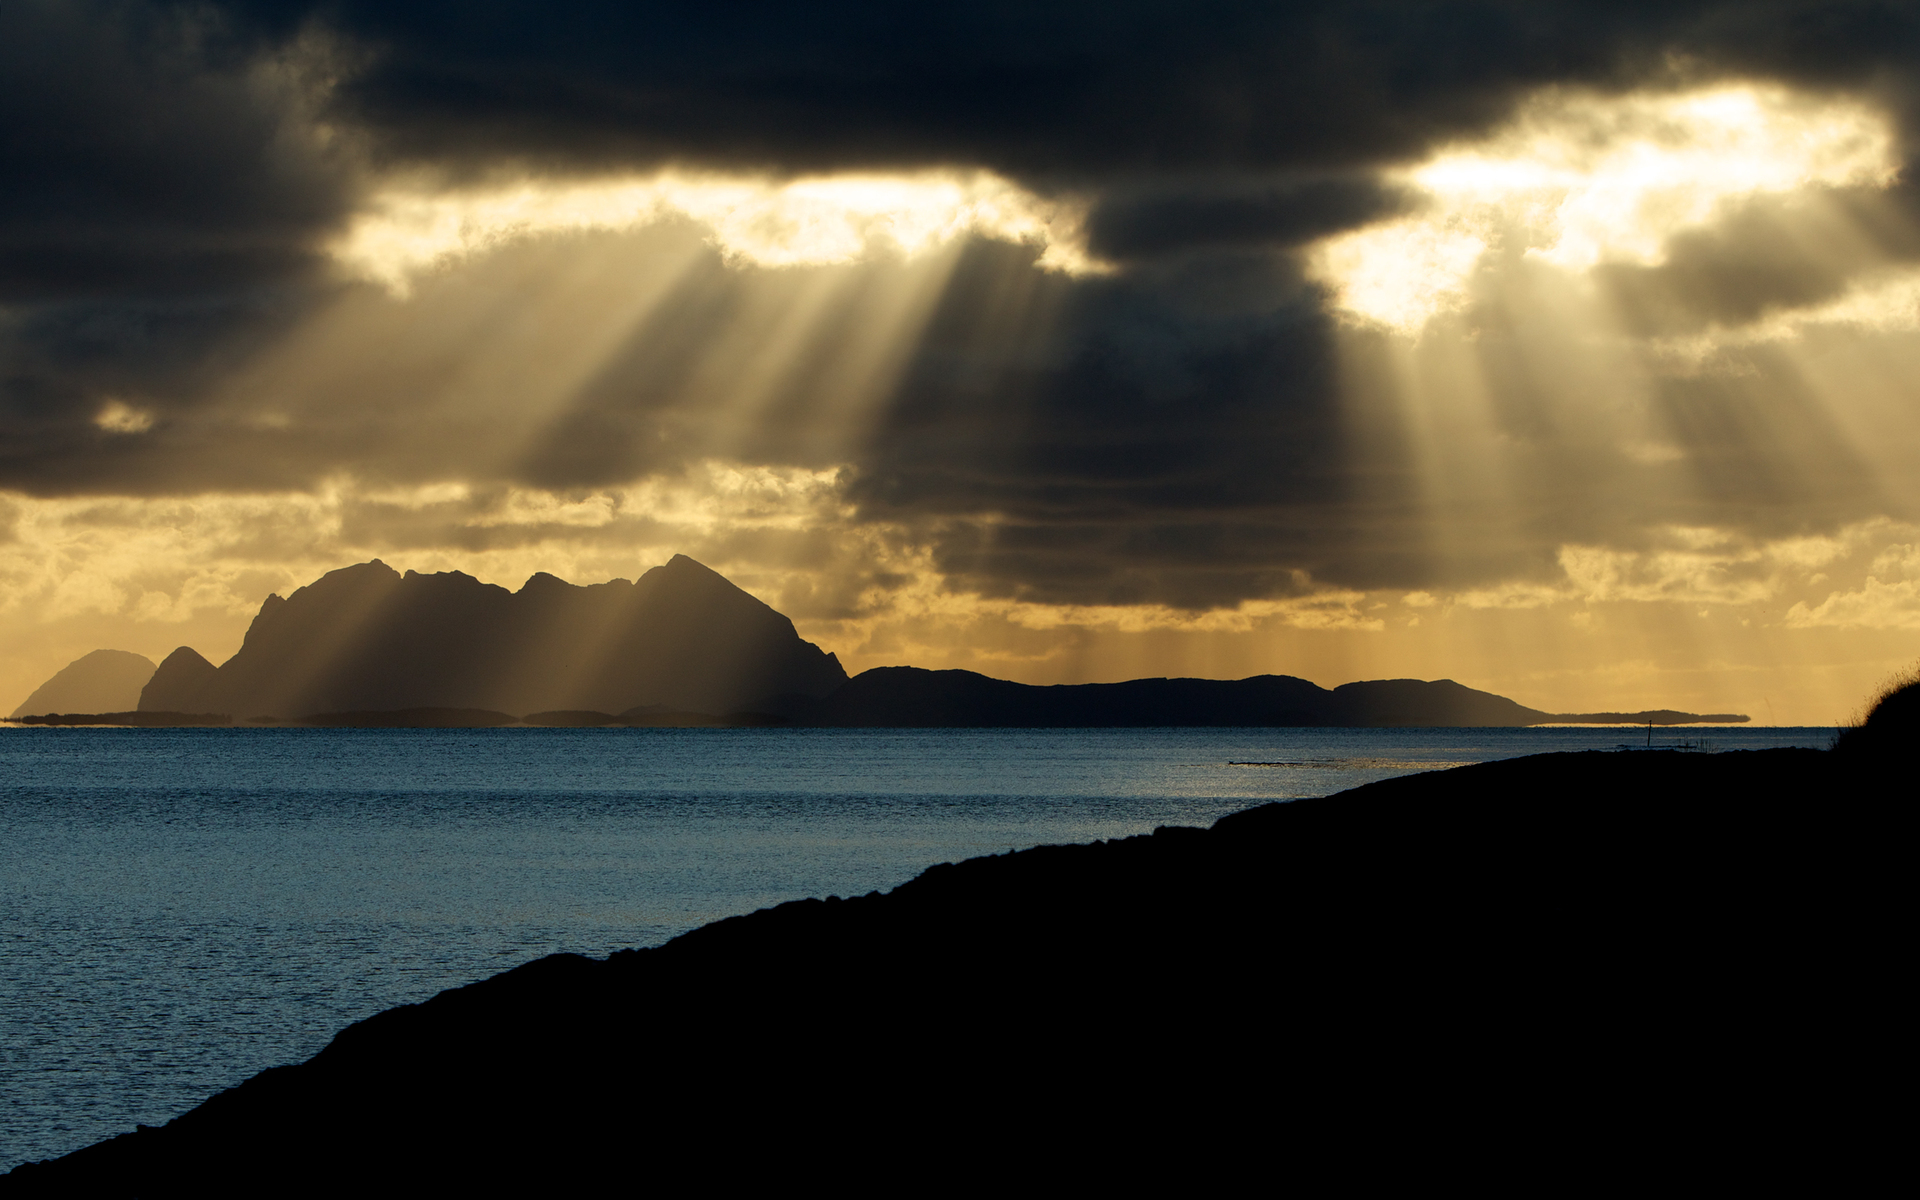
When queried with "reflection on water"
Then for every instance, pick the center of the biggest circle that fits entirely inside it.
(184, 907)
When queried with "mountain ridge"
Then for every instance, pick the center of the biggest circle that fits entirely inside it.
(684, 646)
(915, 697)
(368, 638)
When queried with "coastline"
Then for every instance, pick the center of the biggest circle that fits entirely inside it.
(1541, 874)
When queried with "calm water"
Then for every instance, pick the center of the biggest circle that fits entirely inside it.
(182, 908)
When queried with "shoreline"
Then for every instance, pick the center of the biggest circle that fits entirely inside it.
(1126, 930)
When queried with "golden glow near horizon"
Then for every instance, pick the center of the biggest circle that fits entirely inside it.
(1578, 179)
(809, 221)
(144, 575)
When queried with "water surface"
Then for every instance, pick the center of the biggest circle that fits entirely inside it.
(181, 908)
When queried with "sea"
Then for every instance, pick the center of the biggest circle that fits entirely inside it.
(182, 908)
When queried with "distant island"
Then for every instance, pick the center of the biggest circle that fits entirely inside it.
(366, 646)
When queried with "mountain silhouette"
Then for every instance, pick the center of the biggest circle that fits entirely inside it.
(682, 646)
(369, 639)
(918, 698)
(182, 676)
(101, 682)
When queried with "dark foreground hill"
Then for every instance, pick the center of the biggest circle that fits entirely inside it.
(366, 639)
(913, 697)
(1561, 969)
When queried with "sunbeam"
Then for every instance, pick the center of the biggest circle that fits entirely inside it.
(1552, 390)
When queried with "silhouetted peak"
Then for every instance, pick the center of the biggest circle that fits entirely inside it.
(101, 657)
(185, 657)
(354, 578)
(447, 585)
(368, 638)
(682, 576)
(103, 681)
(682, 567)
(177, 686)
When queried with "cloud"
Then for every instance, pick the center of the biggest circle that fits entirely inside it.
(1881, 604)
(1889, 598)
(1069, 88)
(151, 150)
(1062, 300)
(1640, 185)
(120, 417)
(751, 221)
(1200, 214)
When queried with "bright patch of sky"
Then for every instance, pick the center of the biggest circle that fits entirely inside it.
(1578, 179)
(810, 221)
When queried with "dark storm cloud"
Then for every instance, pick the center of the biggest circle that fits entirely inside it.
(164, 195)
(1083, 87)
(1169, 433)
(1127, 225)
(168, 147)
(145, 151)
(61, 362)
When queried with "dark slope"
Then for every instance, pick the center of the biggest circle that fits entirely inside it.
(132, 717)
(366, 638)
(1887, 738)
(103, 681)
(1584, 954)
(182, 676)
(913, 697)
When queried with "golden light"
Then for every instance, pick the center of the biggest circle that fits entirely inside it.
(117, 416)
(1490, 387)
(1578, 178)
(414, 226)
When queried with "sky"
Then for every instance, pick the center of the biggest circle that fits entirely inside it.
(1569, 351)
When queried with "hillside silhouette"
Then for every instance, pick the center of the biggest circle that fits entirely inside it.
(682, 646)
(913, 697)
(104, 681)
(1890, 732)
(367, 638)
(1508, 945)
(181, 677)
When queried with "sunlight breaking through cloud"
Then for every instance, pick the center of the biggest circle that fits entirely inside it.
(117, 416)
(809, 221)
(1579, 179)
